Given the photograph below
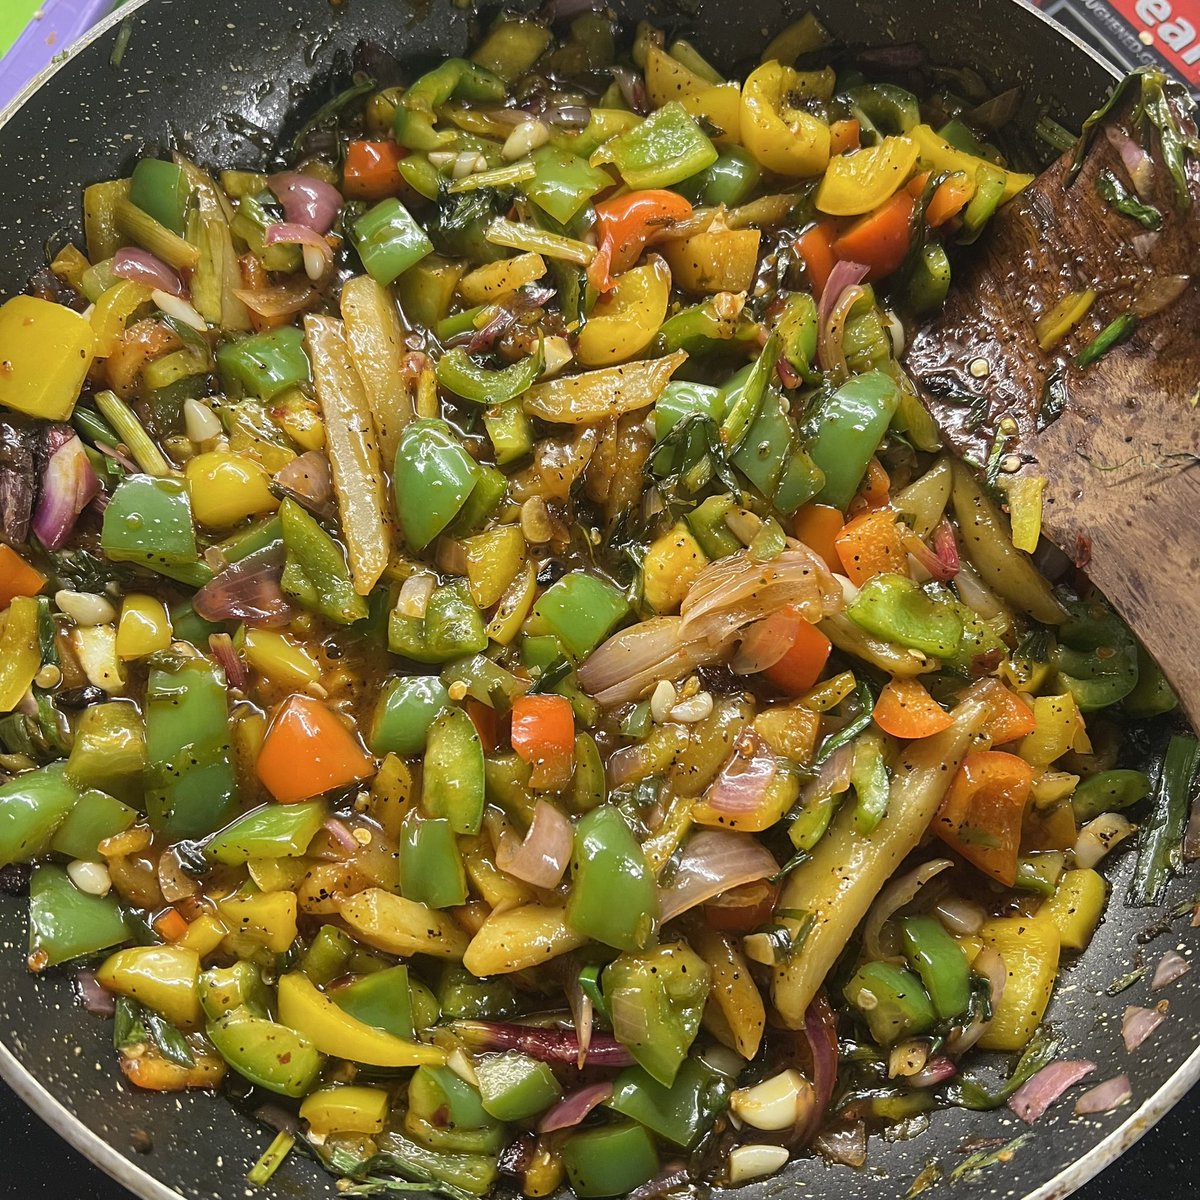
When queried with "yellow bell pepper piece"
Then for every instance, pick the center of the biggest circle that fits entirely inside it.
(970, 945)
(494, 560)
(298, 415)
(20, 656)
(1024, 494)
(1029, 947)
(280, 659)
(519, 939)
(263, 918)
(790, 730)
(514, 606)
(670, 567)
(164, 978)
(46, 351)
(310, 1012)
(226, 488)
(800, 37)
(70, 265)
(721, 105)
(496, 280)
(278, 874)
(1076, 907)
(717, 260)
(781, 137)
(203, 935)
(111, 313)
(668, 79)
(1054, 325)
(829, 693)
(349, 1109)
(626, 320)
(1060, 728)
(144, 627)
(862, 180)
(939, 155)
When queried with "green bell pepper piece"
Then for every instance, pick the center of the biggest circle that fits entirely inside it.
(730, 180)
(656, 1000)
(588, 785)
(315, 571)
(65, 923)
(389, 241)
(611, 1160)
(990, 186)
(940, 962)
(484, 499)
(149, 521)
(892, 1001)
(187, 626)
(811, 821)
(511, 47)
(462, 996)
(563, 183)
(445, 1109)
(475, 1174)
(545, 652)
(406, 709)
(928, 282)
(744, 393)
(454, 785)
(266, 1053)
(869, 778)
(451, 627)
(1096, 656)
(666, 148)
(459, 373)
(614, 897)
(269, 831)
(896, 609)
(772, 459)
(431, 869)
(681, 399)
(382, 1000)
(485, 681)
(1152, 695)
(109, 751)
(250, 223)
(850, 426)
(162, 190)
(682, 1113)
(223, 989)
(979, 641)
(890, 109)
(453, 78)
(32, 807)
(434, 478)
(265, 364)
(515, 1087)
(510, 431)
(96, 816)
(581, 611)
(1110, 791)
(797, 328)
(709, 528)
(1039, 872)
(191, 789)
(328, 955)
(960, 135)
(710, 327)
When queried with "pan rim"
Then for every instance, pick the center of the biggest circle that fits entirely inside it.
(125, 1171)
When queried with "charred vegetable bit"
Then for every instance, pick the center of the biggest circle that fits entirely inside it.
(490, 653)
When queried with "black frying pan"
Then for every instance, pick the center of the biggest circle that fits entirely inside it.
(219, 78)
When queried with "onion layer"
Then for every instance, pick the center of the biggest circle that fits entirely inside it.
(1040, 1091)
(69, 485)
(541, 858)
(714, 861)
(307, 201)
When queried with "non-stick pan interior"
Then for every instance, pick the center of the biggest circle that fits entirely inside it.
(218, 78)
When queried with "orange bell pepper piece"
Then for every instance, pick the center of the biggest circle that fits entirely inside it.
(483, 717)
(982, 815)
(1051, 829)
(876, 488)
(870, 544)
(1011, 717)
(803, 662)
(951, 197)
(815, 247)
(543, 735)
(906, 710)
(843, 136)
(817, 526)
(880, 239)
(17, 577)
(371, 170)
(624, 227)
(308, 751)
(170, 925)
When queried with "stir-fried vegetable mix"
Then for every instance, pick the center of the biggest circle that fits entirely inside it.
(493, 656)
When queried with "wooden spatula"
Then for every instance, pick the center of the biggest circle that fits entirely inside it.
(1118, 441)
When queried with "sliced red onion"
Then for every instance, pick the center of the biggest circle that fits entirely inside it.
(1159, 293)
(567, 116)
(542, 856)
(1104, 1097)
(633, 89)
(742, 785)
(574, 1106)
(248, 590)
(765, 642)
(675, 1177)
(1136, 161)
(1139, 1023)
(283, 300)
(935, 1071)
(117, 457)
(820, 1032)
(69, 485)
(143, 267)
(545, 1044)
(309, 481)
(844, 275)
(522, 301)
(845, 1144)
(307, 201)
(946, 548)
(92, 996)
(631, 662)
(318, 254)
(1171, 966)
(222, 649)
(1040, 1091)
(713, 862)
(341, 833)
(895, 896)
